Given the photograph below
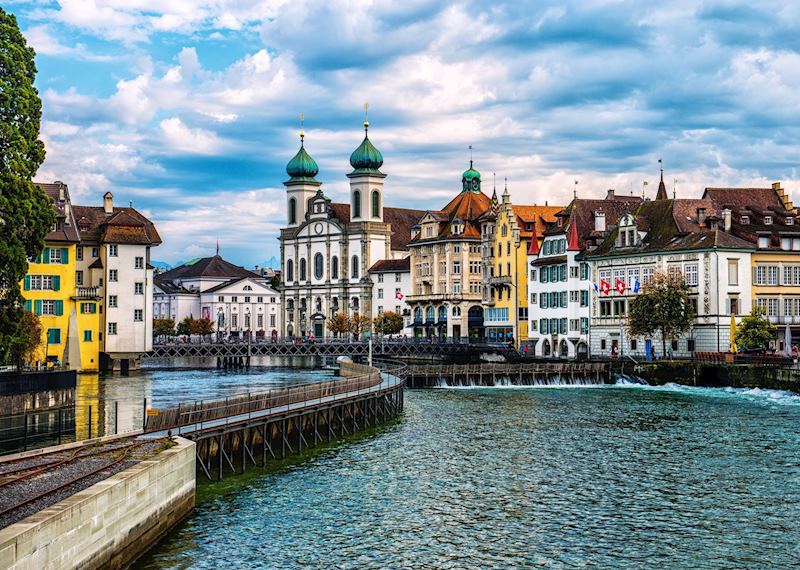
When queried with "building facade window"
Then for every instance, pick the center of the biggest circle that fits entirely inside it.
(112, 275)
(289, 271)
(690, 274)
(354, 268)
(303, 269)
(137, 315)
(292, 210)
(356, 204)
(138, 288)
(113, 250)
(139, 263)
(318, 266)
(112, 301)
(112, 328)
(334, 267)
(376, 204)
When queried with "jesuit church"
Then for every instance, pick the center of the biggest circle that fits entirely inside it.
(327, 248)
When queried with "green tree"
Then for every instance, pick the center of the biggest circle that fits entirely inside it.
(26, 213)
(339, 324)
(202, 327)
(754, 331)
(663, 306)
(185, 326)
(275, 282)
(163, 327)
(359, 324)
(27, 340)
(389, 323)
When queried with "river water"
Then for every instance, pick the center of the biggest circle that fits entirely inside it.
(607, 477)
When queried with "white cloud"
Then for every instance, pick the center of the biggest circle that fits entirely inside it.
(180, 137)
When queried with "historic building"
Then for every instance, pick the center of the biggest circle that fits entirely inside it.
(238, 302)
(766, 219)
(391, 285)
(447, 267)
(92, 285)
(328, 248)
(508, 232)
(686, 237)
(559, 288)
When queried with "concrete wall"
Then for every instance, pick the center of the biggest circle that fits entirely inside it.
(712, 375)
(109, 524)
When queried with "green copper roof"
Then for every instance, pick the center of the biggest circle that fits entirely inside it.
(366, 158)
(302, 167)
(471, 180)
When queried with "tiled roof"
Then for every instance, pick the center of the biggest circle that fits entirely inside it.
(170, 288)
(233, 281)
(581, 213)
(469, 208)
(124, 225)
(738, 198)
(67, 231)
(391, 265)
(401, 220)
(534, 220)
(207, 267)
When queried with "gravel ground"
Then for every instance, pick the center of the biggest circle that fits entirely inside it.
(29, 487)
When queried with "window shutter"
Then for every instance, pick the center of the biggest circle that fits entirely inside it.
(59, 308)
(56, 283)
(27, 286)
(28, 305)
(46, 255)
(37, 306)
(65, 255)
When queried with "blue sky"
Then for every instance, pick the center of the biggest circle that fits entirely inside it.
(189, 108)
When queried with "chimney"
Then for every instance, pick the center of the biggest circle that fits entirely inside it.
(600, 220)
(108, 203)
(701, 216)
(610, 195)
(61, 196)
(726, 219)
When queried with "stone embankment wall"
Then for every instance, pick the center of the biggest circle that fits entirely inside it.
(719, 375)
(109, 524)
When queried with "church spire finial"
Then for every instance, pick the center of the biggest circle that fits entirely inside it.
(661, 166)
(302, 128)
(470, 156)
(366, 117)
(575, 190)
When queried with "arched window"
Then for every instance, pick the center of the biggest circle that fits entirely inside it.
(289, 271)
(354, 303)
(292, 211)
(334, 267)
(442, 313)
(429, 314)
(354, 270)
(303, 269)
(318, 266)
(356, 204)
(318, 305)
(418, 314)
(376, 204)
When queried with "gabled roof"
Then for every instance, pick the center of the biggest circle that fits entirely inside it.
(124, 225)
(401, 220)
(534, 220)
(468, 208)
(391, 265)
(738, 198)
(170, 288)
(207, 267)
(580, 212)
(67, 231)
(227, 284)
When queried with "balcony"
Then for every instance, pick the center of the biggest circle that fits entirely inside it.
(500, 281)
(87, 293)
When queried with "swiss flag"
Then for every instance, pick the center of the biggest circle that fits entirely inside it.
(605, 287)
(398, 295)
(620, 286)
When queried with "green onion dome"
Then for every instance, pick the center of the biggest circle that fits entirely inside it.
(366, 158)
(302, 167)
(471, 180)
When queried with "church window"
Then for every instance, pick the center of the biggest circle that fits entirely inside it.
(289, 271)
(302, 269)
(318, 266)
(354, 270)
(334, 267)
(376, 204)
(356, 204)
(292, 211)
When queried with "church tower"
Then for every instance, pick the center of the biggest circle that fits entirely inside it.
(366, 182)
(301, 186)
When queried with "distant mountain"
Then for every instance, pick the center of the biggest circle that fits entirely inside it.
(162, 265)
(273, 263)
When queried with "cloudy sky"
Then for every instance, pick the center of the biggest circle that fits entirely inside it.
(189, 108)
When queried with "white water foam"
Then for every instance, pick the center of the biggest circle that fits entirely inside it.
(755, 395)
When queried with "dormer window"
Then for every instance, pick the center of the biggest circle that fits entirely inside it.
(789, 221)
(763, 242)
(767, 220)
(744, 220)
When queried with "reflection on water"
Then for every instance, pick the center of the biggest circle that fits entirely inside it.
(116, 404)
(494, 478)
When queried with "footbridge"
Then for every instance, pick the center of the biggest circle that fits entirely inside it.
(253, 429)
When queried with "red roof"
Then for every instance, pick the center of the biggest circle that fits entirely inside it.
(124, 225)
(391, 265)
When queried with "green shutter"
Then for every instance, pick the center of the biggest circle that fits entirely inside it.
(56, 283)
(27, 286)
(65, 255)
(37, 306)
(46, 255)
(54, 336)
(59, 308)
(28, 305)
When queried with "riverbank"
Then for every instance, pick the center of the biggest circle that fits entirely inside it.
(717, 375)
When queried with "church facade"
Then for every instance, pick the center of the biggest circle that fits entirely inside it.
(328, 248)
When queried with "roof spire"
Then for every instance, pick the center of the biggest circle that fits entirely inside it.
(662, 189)
(575, 190)
(470, 156)
(494, 185)
(302, 128)
(217, 246)
(366, 117)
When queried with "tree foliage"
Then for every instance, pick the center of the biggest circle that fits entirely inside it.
(203, 327)
(26, 213)
(26, 342)
(389, 323)
(339, 323)
(662, 307)
(185, 326)
(163, 327)
(360, 324)
(754, 331)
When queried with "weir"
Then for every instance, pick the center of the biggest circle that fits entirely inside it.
(533, 374)
(236, 433)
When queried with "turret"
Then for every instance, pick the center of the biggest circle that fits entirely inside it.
(366, 182)
(301, 186)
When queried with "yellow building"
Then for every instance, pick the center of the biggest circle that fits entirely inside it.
(506, 239)
(69, 315)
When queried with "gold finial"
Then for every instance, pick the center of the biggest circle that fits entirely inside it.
(366, 116)
(470, 156)
(302, 127)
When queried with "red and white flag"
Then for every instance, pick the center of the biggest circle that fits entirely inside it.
(620, 286)
(399, 296)
(605, 287)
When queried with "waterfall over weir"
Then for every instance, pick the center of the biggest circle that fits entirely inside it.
(532, 374)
